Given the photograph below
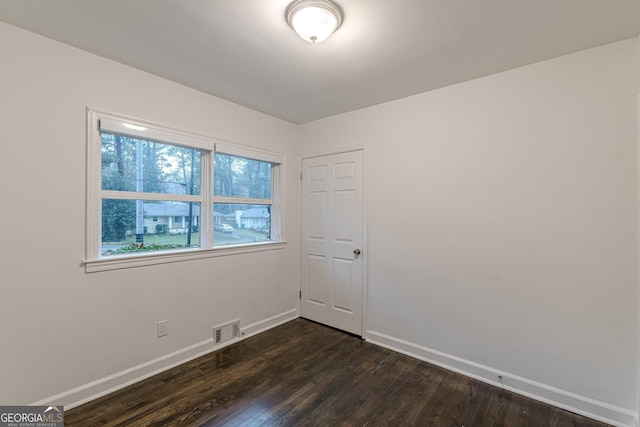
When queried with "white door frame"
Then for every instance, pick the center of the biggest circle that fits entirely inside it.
(365, 225)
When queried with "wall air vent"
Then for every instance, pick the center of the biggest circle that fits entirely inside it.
(226, 332)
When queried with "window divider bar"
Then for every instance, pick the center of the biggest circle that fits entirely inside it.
(206, 209)
(133, 195)
(242, 200)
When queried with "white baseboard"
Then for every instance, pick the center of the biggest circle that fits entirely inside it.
(588, 407)
(271, 322)
(103, 386)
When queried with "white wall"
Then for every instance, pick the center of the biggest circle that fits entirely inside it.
(61, 328)
(503, 224)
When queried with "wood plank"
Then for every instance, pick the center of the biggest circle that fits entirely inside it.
(305, 374)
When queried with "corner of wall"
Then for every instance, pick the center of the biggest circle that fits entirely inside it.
(637, 420)
(111, 383)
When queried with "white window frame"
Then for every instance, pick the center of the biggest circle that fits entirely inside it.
(95, 261)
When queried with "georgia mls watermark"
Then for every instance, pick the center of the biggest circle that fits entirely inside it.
(31, 416)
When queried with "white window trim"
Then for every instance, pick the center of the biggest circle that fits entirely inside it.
(95, 262)
(117, 262)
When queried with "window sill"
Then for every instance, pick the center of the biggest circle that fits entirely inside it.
(118, 262)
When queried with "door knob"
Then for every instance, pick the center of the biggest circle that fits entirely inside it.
(356, 252)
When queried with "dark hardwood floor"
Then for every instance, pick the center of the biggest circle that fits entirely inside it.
(305, 374)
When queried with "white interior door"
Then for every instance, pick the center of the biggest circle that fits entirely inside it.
(332, 237)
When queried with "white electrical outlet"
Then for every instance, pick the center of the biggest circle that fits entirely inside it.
(163, 328)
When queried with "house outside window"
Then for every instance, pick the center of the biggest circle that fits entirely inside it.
(242, 199)
(157, 190)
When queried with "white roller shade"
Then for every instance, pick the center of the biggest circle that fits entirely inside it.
(249, 152)
(150, 132)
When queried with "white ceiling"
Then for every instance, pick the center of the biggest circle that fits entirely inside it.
(244, 51)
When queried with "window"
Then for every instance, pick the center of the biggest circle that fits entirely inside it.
(153, 190)
(242, 200)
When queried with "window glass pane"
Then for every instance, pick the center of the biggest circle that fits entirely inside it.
(130, 164)
(235, 224)
(240, 177)
(142, 226)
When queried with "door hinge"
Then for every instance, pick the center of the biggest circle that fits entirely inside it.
(300, 176)
(300, 295)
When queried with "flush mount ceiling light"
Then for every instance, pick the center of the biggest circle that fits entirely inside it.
(314, 20)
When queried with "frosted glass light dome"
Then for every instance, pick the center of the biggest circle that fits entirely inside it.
(314, 20)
